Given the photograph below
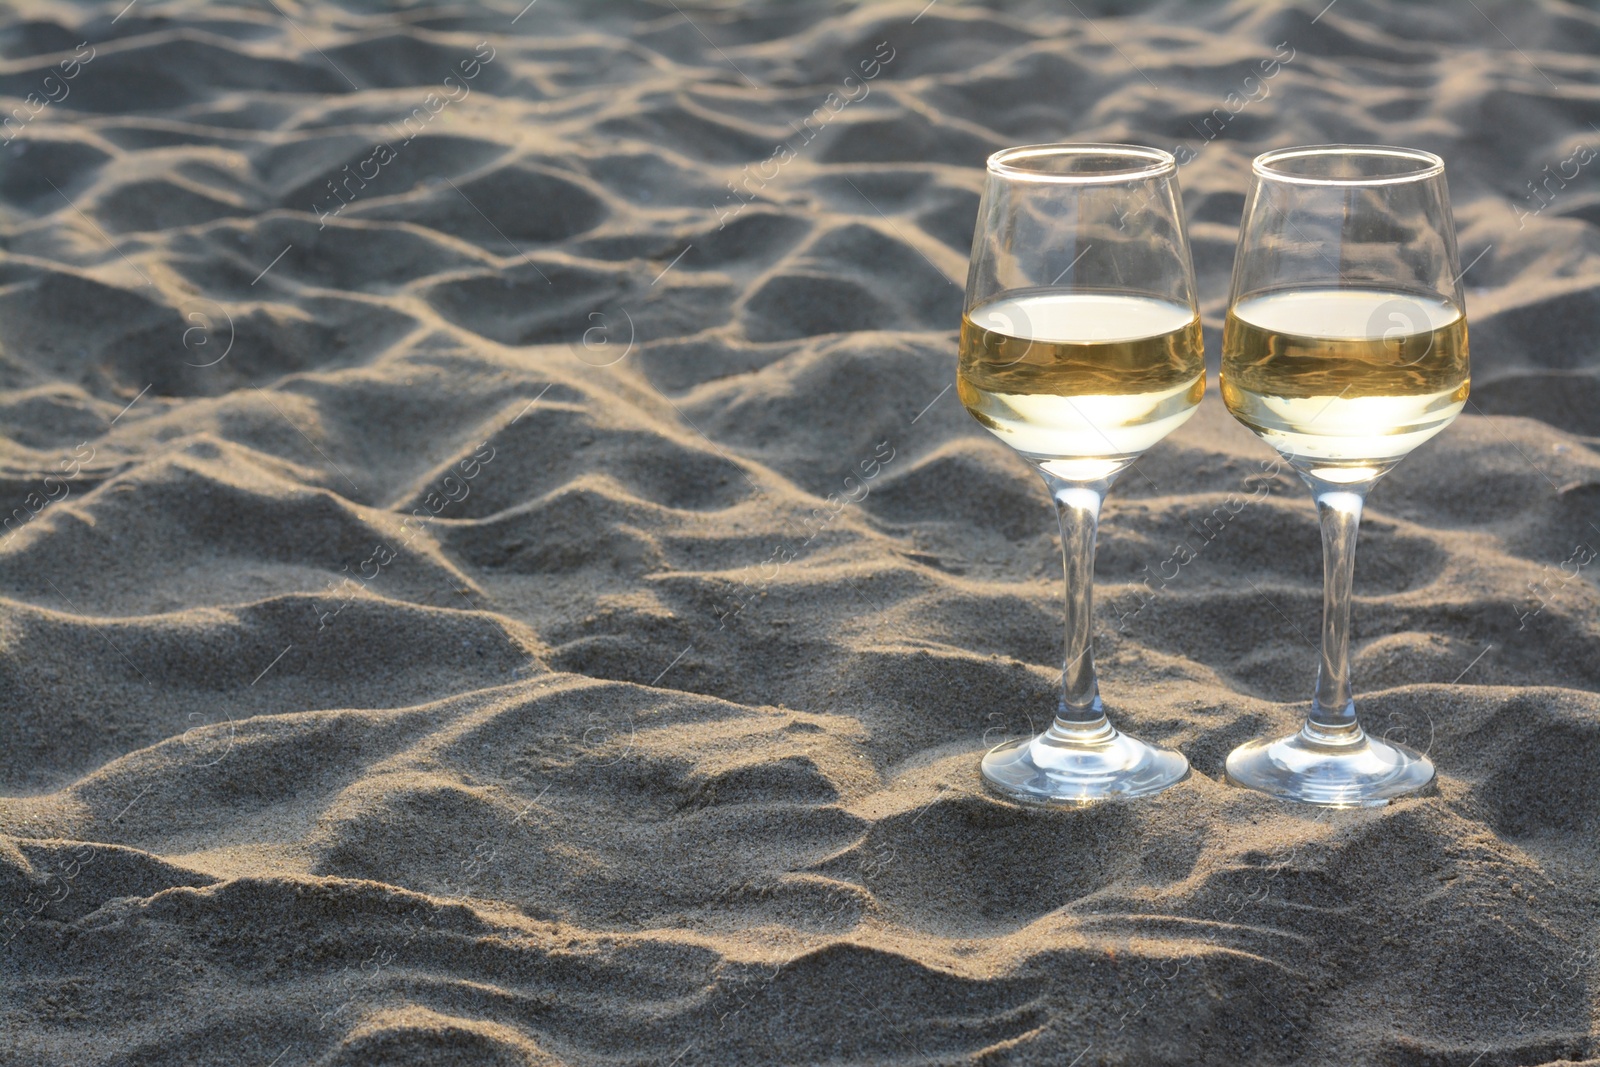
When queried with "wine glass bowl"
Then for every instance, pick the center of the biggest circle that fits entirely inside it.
(1345, 348)
(1080, 349)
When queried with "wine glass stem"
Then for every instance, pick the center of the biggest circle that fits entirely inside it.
(1333, 709)
(1079, 716)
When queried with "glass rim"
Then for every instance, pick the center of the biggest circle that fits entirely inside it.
(1428, 166)
(1145, 163)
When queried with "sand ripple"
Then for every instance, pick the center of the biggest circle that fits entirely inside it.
(499, 576)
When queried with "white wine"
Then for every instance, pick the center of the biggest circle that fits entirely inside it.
(1079, 382)
(1345, 381)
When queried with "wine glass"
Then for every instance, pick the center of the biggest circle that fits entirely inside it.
(1080, 348)
(1345, 348)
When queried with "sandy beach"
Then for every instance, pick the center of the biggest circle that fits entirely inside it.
(494, 570)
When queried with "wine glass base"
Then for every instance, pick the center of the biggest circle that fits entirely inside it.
(1054, 770)
(1366, 773)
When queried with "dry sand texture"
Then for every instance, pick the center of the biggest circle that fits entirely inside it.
(653, 740)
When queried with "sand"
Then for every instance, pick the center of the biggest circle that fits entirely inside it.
(499, 575)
